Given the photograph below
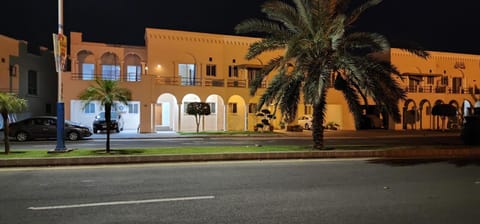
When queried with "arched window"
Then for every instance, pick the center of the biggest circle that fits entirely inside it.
(110, 66)
(86, 65)
(133, 68)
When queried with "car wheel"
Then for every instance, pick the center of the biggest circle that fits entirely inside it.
(73, 136)
(307, 127)
(21, 136)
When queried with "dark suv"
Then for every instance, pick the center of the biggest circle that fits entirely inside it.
(100, 124)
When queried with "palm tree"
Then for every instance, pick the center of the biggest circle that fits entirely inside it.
(9, 103)
(319, 51)
(107, 92)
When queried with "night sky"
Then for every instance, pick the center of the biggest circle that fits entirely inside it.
(452, 26)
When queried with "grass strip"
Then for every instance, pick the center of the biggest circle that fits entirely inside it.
(39, 153)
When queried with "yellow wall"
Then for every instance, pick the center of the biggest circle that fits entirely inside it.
(165, 49)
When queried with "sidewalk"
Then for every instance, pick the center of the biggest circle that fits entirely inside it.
(132, 134)
(465, 152)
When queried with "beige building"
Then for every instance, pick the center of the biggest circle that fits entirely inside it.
(28, 71)
(175, 68)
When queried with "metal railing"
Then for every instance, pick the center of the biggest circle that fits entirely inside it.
(89, 77)
(215, 82)
(441, 89)
(174, 80)
(8, 90)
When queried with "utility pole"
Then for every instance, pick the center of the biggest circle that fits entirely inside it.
(60, 52)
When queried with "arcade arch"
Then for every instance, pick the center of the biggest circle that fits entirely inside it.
(236, 114)
(410, 114)
(166, 113)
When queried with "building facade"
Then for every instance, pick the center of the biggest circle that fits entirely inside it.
(28, 71)
(175, 68)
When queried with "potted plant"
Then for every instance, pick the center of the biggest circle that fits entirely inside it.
(258, 126)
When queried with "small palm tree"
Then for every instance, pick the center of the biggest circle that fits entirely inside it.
(107, 92)
(9, 103)
(318, 48)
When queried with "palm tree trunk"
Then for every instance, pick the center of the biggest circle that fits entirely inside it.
(108, 118)
(317, 122)
(6, 131)
(197, 121)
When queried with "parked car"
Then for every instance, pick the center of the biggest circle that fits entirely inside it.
(46, 127)
(305, 122)
(100, 123)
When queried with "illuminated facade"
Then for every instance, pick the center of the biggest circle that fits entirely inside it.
(177, 67)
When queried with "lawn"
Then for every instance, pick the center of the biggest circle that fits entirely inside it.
(38, 153)
(150, 151)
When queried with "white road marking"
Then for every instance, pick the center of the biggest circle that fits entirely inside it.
(121, 203)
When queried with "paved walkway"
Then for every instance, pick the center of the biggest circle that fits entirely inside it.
(328, 133)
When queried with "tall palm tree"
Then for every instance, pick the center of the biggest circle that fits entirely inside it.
(9, 103)
(107, 92)
(318, 51)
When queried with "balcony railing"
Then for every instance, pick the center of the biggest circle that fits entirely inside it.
(8, 90)
(215, 82)
(89, 77)
(441, 89)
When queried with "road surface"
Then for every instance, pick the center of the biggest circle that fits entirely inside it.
(297, 191)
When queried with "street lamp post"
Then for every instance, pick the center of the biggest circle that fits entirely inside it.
(60, 147)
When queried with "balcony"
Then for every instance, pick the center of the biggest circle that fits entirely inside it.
(89, 77)
(441, 89)
(8, 90)
(176, 81)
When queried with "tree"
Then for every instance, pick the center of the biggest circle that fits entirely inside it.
(318, 47)
(198, 109)
(9, 103)
(444, 111)
(266, 116)
(476, 108)
(107, 92)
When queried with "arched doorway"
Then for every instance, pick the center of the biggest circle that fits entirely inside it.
(216, 120)
(410, 114)
(454, 122)
(236, 114)
(187, 122)
(425, 112)
(166, 110)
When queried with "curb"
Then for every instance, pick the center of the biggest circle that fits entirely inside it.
(390, 154)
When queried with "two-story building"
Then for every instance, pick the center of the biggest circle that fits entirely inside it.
(29, 71)
(175, 68)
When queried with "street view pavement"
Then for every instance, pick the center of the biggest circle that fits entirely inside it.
(456, 150)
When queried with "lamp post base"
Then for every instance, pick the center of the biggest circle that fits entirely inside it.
(60, 127)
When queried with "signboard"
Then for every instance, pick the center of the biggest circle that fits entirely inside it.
(60, 51)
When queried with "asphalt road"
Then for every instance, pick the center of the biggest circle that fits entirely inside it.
(312, 191)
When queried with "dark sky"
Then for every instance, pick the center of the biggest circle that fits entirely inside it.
(452, 26)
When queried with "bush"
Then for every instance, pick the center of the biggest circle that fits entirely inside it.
(471, 130)
(295, 128)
